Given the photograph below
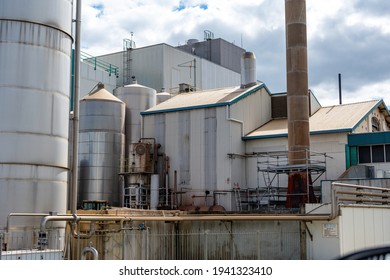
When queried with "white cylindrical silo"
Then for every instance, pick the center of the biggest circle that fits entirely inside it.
(101, 146)
(162, 96)
(137, 98)
(35, 55)
(248, 69)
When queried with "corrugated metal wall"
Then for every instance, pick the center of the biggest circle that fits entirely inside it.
(198, 142)
(363, 227)
(163, 66)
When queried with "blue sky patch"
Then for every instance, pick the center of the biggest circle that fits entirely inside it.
(182, 6)
(99, 7)
(203, 6)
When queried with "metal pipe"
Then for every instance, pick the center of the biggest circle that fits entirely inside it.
(175, 205)
(359, 193)
(75, 134)
(89, 249)
(361, 187)
(82, 236)
(61, 218)
(194, 74)
(363, 199)
(229, 118)
(78, 218)
(167, 166)
(340, 93)
(233, 218)
(21, 214)
(1, 246)
(227, 217)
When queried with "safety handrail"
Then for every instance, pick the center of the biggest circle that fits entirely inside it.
(98, 63)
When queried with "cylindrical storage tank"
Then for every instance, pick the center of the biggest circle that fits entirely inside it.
(101, 146)
(137, 98)
(192, 41)
(35, 56)
(248, 69)
(154, 192)
(162, 96)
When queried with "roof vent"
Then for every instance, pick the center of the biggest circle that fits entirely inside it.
(248, 69)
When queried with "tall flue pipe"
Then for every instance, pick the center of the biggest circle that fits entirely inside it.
(297, 81)
(297, 99)
(75, 122)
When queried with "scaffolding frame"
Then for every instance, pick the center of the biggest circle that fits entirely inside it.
(273, 164)
(270, 166)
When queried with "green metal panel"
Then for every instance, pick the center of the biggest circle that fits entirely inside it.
(347, 156)
(373, 138)
(354, 155)
(351, 156)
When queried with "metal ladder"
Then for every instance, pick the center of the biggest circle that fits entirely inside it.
(237, 195)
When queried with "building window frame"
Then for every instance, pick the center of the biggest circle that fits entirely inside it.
(379, 153)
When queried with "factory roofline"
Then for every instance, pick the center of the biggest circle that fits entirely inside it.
(204, 99)
(344, 118)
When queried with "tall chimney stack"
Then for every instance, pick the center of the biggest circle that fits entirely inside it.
(297, 102)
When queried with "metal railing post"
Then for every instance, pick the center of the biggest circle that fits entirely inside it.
(258, 245)
(1, 245)
(205, 244)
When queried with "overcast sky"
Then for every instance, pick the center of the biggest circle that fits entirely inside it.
(351, 37)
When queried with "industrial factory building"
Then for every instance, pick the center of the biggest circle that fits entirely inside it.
(225, 142)
(164, 67)
(166, 152)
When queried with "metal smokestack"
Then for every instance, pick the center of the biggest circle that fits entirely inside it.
(297, 100)
(340, 93)
(248, 70)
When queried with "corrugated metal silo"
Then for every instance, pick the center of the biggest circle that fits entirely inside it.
(101, 146)
(35, 55)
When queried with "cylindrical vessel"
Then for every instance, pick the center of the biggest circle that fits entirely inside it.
(35, 55)
(101, 146)
(162, 96)
(154, 191)
(248, 69)
(137, 98)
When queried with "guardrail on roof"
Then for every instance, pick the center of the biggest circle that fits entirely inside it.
(99, 64)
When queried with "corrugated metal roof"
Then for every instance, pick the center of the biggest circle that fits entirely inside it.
(203, 99)
(336, 118)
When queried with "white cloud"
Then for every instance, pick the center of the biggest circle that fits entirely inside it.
(350, 36)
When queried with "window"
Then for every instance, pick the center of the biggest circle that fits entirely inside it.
(387, 148)
(378, 153)
(365, 154)
(375, 124)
